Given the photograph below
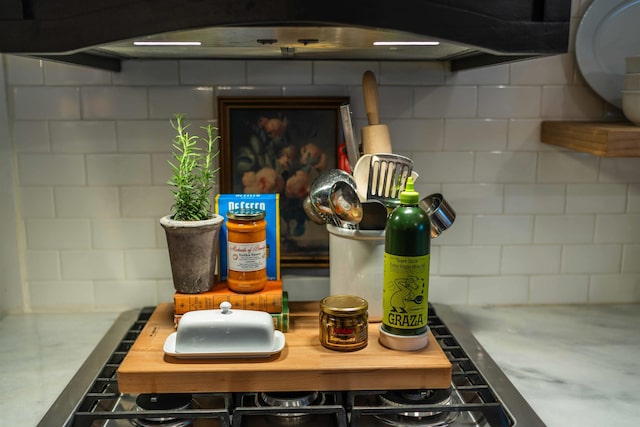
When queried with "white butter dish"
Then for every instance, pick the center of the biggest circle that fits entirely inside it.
(224, 333)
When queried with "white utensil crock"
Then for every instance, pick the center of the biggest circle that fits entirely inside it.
(356, 261)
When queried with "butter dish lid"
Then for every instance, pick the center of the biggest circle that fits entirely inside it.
(225, 332)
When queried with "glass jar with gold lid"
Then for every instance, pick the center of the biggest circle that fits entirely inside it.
(344, 322)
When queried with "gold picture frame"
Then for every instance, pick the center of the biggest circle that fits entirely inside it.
(279, 145)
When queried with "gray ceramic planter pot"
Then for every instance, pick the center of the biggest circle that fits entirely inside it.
(193, 251)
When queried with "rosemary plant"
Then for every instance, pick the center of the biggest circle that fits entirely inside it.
(193, 177)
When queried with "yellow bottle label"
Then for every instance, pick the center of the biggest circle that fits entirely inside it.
(405, 291)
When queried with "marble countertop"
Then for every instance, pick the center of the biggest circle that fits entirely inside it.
(575, 365)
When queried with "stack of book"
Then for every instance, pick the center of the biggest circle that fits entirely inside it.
(272, 299)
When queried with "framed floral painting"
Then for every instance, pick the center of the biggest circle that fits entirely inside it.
(280, 145)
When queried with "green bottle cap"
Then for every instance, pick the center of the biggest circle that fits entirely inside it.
(409, 196)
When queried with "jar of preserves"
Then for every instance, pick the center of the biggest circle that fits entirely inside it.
(343, 322)
(246, 250)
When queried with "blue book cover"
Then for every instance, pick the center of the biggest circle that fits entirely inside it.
(270, 203)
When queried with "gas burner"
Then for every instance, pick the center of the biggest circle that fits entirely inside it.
(290, 400)
(162, 402)
(424, 418)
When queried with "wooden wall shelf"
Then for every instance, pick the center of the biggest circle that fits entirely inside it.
(604, 139)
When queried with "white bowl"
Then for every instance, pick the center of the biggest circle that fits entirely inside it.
(633, 63)
(631, 81)
(631, 105)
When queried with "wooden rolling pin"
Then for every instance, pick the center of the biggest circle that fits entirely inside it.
(375, 137)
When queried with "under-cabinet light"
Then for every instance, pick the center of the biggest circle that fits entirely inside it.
(167, 43)
(406, 43)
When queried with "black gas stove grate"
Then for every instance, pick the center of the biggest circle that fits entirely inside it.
(472, 396)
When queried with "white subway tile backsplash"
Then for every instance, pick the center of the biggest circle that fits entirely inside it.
(315, 91)
(614, 288)
(122, 295)
(570, 102)
(83, 137)
(504, 166)
(51, 169)
(559, 289)
(153, 202)
(531, 259)
(490, 75)
(631, 258)
(591, 259)
(564, 229)
(534, 198)
(449, 290)
(31, 136)
(475, 198)
(460, 233)
(203, 72)
(60, 74)
(620, 170)
(43, 265)
(469, 260)
(247, 90)
(46, 103)
(62, 295)
(160, 168)
(58, 233)
(114, 102)
(596, 198)
(142, 136)
(617, 228)
(508, 101)
(633, 201)
(498, 290)
(196, 103)
(475, 134)
(92, 265)
(344, 72)
(306, 288)
(147, 264)
(434, 261)
(165, 290)
(415, 135)
(24, 71)
(411, 73)
(120, 233)
(36, 202)
(86, 202)
(550, 70)
(147, 73)
(119, 169)
(502, 229)
(567, 167)
(395, 102)
(444, 166)
(279, 72)
(524, 135)
(444, 101)
(535, 224)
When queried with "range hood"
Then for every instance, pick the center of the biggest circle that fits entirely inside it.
(464, 33)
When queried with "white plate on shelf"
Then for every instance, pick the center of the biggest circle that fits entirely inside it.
(608, 32)
(170, 350)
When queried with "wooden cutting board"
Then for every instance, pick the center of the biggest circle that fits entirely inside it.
(304, 364)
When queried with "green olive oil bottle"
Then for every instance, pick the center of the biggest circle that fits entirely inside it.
(406, 274)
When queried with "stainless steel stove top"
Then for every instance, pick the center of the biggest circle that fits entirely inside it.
(480, 394)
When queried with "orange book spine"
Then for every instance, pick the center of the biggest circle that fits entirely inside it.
(269, 299)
